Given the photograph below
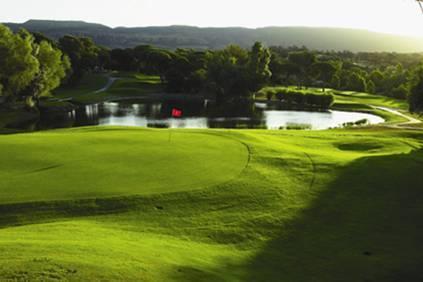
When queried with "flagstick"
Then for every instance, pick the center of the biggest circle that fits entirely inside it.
(176, 113)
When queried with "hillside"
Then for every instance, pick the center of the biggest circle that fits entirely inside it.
(199, 38)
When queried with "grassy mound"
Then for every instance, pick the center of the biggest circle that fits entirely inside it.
(104, 162)
(304, 209)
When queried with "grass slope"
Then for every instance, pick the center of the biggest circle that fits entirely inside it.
(89, 84)
(127, 85)
(341, 205)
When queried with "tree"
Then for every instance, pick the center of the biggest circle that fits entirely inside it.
(400, 92)
(158, 62)
(104, 58)
(304, 60)
(178, 73)
(356, 82)
(39, 37)
(227, 74)
(18, 64)
(30, 68)
(371, 87)
(83, 54)
(415, 98)
(336, 81)
(123, 60)
(258, 66)
(234, 72)
(394, 77)
(324, 71)
(378, 79)
(52, 69)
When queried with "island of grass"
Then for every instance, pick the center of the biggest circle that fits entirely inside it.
(323, 99)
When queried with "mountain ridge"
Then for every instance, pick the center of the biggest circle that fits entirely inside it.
(182, 36)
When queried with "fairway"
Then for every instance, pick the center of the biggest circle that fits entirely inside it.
(344, 203)
(204, 153)
(105, 162)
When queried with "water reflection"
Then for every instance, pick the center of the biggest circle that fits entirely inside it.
(197, 115)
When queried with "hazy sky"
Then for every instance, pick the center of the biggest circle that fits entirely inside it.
(392, 16)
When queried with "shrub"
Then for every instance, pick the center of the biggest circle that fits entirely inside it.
(301, 98)
(360, 122)
(298, 98)
(298, 126)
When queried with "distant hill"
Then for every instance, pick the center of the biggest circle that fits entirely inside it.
(199, 38)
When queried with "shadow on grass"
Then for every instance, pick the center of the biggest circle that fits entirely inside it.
(19, 214)
(367, 226)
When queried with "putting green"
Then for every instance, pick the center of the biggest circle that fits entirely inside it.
(104, 162)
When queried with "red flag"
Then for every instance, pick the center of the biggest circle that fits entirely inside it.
(176, 113)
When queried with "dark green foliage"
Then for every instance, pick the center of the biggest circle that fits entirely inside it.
(303, 60)
(234, 72)
(377, 78)
(324, 71)
(378, 73)
(356, 82)
(300, 98)
(52, 69)
(83, 54)
(229, 73)
(258, 66)
(415, 98)
(390, 81)
(401, 92)
(185, 71)
(30, 67)
(18, 65)
(123, 60)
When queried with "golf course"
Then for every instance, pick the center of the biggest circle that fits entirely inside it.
(116, 203)
(232, 163)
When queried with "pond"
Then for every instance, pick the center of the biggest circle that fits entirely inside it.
(198, 115)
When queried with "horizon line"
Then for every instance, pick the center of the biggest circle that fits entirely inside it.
(221, 27)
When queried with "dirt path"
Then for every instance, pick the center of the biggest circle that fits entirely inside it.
(108, 84)
(410, 120)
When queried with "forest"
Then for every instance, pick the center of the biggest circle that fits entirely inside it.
(33, 65)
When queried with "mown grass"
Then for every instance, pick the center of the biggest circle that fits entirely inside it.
(135, 85)
(339, 205)
(89, 84)
(84, 163)
(127, 85)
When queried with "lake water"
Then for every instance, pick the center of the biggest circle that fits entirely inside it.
(199, 115)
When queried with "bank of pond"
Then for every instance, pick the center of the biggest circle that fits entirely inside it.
(196, 114)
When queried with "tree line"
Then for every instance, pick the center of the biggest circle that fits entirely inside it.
(32, 65)
(388, 74)
(298, 99)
